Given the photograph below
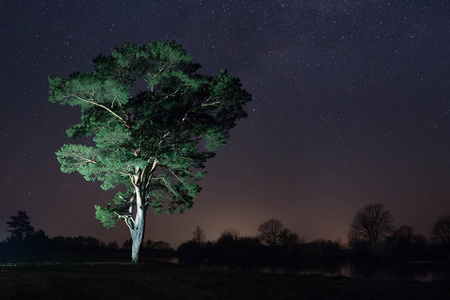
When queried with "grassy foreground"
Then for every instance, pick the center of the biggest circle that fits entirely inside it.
(169, 281)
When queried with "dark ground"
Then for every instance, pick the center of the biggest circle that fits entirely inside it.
(169, 281)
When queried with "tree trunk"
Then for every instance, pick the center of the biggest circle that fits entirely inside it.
(137, 233)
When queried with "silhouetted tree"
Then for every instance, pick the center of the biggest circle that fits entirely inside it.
(228, 238)
(292, 238)
(405, 233)
(63, 240)
(153, 143)
(112, 245)
(441, 231)
(86, 241)
(405, 243)
(160, 245)
(272, 233)
(39, 235)
(127, 244)
(232, 248)
(232, 233)
(198, 235)
(39, 241)
(193, 252)
(371, 224)
(322, 247)
(148, 244)
(21, 227)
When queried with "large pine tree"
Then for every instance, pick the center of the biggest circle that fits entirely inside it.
(154, 141)
(20, 227)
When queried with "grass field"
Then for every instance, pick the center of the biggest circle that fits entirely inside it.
(169, 281)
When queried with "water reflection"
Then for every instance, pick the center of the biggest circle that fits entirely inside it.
(172, 260)
(425, 272)
(395, 271)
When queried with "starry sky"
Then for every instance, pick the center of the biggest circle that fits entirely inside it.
(351, 106)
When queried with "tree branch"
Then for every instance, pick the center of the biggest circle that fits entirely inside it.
(127, 219)
(102, 106)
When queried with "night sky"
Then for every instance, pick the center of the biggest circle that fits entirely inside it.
(351, 106)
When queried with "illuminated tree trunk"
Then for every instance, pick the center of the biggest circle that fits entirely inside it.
(138, 229)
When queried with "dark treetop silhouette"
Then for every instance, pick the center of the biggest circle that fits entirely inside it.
(371, 224)
(153, 142)
(20, 227)
(198, 235)
(272, 232)
(441, 231)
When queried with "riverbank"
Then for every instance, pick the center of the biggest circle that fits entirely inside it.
(170, 281)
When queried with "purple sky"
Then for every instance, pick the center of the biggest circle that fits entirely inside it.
(351, 106)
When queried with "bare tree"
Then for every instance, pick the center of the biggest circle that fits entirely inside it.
(405, 243)
(371, 224)
(292, 239)
(272, 233)
(231, 232)
(404, 233)
(198, 235)
(441, 231)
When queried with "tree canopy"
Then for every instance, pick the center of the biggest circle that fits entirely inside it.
(20, 226)
(274, 233)
(198, 235)
(440, 233)
(154, 121)
(371, 224)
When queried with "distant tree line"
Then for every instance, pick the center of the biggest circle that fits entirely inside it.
(371, 235)
(26, 244)
(275, 244)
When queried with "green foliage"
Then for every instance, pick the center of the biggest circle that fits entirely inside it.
(121, 198)
(79, 158)
(155, 141)
(215, 138)
(106, 215)
(86, 89)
